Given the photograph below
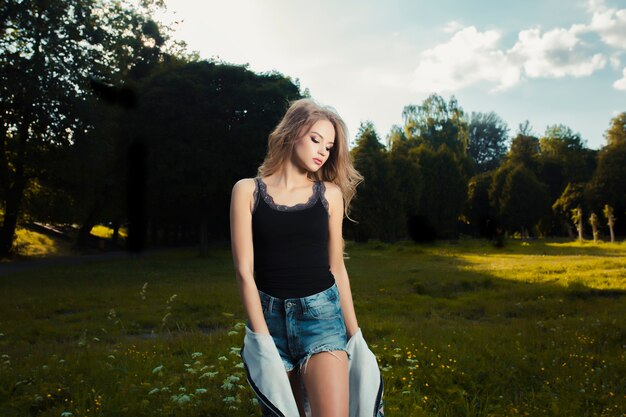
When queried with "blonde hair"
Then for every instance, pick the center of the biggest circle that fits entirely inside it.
(338, 169)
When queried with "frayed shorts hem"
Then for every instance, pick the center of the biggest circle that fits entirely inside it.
(320, 349)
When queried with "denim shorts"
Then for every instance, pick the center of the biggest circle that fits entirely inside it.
(302, 327)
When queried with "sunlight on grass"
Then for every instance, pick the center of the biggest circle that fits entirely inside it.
(29, 243)
(604, 245)
(601, 272)
(106, 232)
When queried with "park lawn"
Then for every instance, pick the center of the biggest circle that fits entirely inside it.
(536, 328)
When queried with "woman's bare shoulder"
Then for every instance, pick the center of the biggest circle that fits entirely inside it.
(244, 188)
(245, 184)
(332, 188)
(333, 194)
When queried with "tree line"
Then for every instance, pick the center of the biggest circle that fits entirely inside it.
(108, 119)
(445, 172)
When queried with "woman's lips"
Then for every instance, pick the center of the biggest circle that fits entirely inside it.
(317, 161)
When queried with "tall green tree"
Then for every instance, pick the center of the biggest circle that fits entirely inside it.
(617, 130)
(444, 189)
(371, 206)
(520, 198)
(571, 198)
(608, 184)
(436, 122)
(563, 158)
(524, 150)
(488, 134)
(404, 185)
(478, 211)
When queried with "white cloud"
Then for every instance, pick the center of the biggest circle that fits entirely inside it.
(557, 53)
(452, 27)
(615, 61)
(609, 23)
(621, 83)
(469, 57)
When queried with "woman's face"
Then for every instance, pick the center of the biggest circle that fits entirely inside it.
(314, 147)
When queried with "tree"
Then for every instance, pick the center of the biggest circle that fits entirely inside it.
(519, 197)
(525, 129)
(608, 184)
(572, 197)
(610, 219)
(436, 123)
(49, 50)
(478, 210)
(487, 140)
(404, 194)
(524, 151)
(371, 206)
(593, 221)
(577, 218)
(204, 126)
(617, 131)
(404, 185)
(397, 141)
(444, 189)
(563, 158)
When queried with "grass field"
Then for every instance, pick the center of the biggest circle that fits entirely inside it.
(460, 329)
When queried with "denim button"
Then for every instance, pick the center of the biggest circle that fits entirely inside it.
(289, 304)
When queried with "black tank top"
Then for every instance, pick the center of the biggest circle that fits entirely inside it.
(291, 244)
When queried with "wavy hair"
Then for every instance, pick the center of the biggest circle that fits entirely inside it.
(298, 119)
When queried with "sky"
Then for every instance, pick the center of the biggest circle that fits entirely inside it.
(546, 61)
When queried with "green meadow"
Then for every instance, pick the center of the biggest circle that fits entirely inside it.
(537, 328)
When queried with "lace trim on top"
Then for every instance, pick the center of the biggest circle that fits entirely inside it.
(323, 197)
(318, 191)
(255, 195)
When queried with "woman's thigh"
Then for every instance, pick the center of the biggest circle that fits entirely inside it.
(296, 386)
(326, 382)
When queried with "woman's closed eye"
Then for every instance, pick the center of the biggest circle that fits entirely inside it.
(317, 141)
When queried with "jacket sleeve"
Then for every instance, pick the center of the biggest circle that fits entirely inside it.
(366, 383)
(266, 374)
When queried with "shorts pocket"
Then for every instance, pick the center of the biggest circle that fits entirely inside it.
(324, 309)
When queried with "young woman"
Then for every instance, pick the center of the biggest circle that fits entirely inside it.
(286, 228)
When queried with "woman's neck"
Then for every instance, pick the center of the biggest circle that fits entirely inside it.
(290, 177)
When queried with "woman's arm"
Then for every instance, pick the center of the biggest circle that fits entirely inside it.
(334, 197)
(243, 252)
